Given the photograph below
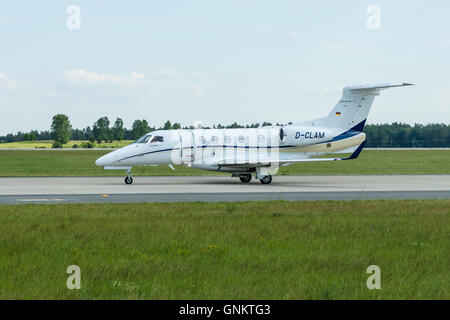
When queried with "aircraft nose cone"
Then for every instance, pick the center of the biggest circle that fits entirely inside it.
(106, 160)
(100, 161)
(109, 159)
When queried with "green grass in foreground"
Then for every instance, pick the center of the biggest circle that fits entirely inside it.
(252, 250)
(82, 163)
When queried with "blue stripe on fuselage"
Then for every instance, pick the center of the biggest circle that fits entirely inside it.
(354, 131)
(154, 151)
(345, 135)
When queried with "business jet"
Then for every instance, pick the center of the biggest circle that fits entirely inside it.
(255, 151)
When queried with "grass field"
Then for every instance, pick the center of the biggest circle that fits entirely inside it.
(82, 163)
(46, 144)
(252, 250)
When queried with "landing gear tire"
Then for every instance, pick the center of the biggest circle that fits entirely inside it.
(128, 180)
(266, 180)
(245, 178)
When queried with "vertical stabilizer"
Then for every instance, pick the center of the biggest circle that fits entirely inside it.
(351, 112)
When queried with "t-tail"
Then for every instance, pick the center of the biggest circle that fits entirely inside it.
(351, 112)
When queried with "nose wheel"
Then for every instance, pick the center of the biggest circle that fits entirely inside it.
(128, 180)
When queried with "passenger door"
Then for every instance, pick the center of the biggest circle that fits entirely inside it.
(187, 143)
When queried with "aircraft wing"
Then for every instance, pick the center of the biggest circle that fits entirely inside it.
(284, 159)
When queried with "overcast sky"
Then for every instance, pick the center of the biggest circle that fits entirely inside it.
(219, 61)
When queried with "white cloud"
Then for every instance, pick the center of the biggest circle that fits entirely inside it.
(295, 34)
(137, 75)
(163, 83)
(6, 82)
(80, 76)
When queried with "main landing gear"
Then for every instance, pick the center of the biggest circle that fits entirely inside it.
(246, 178)
(266, 179)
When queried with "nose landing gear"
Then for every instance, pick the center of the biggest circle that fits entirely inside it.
(128, 179)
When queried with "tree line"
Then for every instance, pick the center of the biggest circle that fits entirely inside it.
(401, 135)
(394, 135)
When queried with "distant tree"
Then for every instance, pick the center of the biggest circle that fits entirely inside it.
(60, 130)
(117, 130)
(128, 135)
(77, 134)
(87, 132)
(235, 125)
(101, 130)
(19, 136)
(167, 125)
(10, 137)
(139, 128)
(30, 136)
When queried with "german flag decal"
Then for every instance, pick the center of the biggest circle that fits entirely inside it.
(338, 113)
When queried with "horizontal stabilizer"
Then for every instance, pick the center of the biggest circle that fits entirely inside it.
(380, 86)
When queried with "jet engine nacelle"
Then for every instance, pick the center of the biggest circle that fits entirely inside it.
(301, 136)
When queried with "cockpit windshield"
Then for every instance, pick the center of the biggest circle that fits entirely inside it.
(143, 139)
(149, 138)
(157, 139)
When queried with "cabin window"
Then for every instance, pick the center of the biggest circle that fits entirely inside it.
(227, 139)
(202, 139)
(157, 139)
(241, 139)
(214, 139)
(261, 138)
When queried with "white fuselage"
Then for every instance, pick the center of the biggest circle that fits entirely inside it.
(206, 148)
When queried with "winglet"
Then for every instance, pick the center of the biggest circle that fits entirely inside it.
(357, 151)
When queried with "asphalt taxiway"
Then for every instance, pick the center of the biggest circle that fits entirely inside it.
(221, 188)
